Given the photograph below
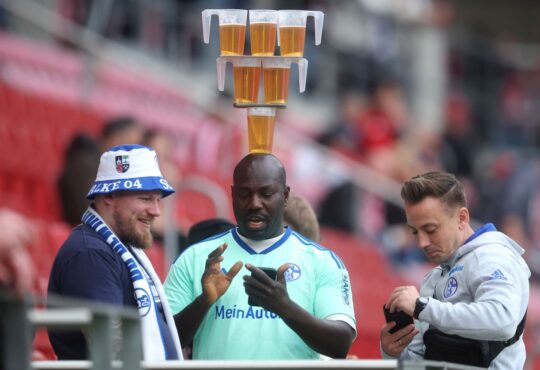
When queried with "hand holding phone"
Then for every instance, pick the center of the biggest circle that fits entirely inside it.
(400, 317)
(271, 273)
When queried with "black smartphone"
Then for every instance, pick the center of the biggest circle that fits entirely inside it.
(400, 317)
(271, 273)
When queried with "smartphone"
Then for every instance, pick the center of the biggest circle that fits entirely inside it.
(271, 273)
(400, 317)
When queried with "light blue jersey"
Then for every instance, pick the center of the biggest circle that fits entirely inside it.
(317, 281)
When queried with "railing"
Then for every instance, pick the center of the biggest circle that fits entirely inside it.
(18, 319)
(268, 365)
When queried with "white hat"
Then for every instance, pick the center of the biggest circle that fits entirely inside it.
(129, 167)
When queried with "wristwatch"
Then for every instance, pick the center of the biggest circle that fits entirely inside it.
(421, 303)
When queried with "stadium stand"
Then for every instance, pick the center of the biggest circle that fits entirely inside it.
(42, 108)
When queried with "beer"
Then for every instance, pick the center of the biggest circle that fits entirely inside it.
(260, 133)
(276, 85)
(263, 38)
(246, 84)
(232, 38)
(292, 39)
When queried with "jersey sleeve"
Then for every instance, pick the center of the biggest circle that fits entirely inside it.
(93, 275)
(179, 284)
(333, 294)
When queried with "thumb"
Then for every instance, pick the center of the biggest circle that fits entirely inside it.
(281, 272)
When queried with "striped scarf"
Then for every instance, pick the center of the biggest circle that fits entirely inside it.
(141, 270)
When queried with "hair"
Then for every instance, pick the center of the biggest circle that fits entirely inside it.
(441, 185)
(300, 216)
(116, 125)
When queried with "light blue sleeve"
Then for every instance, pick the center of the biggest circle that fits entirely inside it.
(333, 287)
(179, 283)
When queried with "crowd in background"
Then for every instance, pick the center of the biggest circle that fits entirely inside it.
(491, 128)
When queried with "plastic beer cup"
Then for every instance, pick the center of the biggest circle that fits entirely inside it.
(246, 77)
(261, 121)
(263, 30)
(292, 30)
(276, 73)
(232, 29)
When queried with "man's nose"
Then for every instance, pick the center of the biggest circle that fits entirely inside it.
(154, 208)
(255, 202)
(423, 240)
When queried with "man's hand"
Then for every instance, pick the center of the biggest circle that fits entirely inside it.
(394, 344)
(270, 294)
(214, 282)
(403, 298)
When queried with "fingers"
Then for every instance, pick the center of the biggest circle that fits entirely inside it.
(394, 343)
(233, 271)
(281, 272)
(215, 257)
(393, 301)
(218, 251)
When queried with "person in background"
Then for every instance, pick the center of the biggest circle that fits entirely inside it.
(103, 258)
(81, 160)
(301, 217)
(207, 228)
(471, 308)
(16, 274)
(305, 310)
(119, 131)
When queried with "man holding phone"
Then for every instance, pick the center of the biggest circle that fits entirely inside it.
(471, 308)
(300, 311)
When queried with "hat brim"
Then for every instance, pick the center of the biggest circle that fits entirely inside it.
(131, 184)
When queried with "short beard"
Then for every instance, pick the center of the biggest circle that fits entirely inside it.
(125, 233)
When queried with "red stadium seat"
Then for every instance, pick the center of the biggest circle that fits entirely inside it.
(372, 281)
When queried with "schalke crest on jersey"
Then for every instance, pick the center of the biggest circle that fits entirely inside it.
(122, 163)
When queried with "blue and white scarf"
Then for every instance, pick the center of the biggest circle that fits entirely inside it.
(140, 269)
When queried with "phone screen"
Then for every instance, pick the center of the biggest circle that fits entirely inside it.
(271, 273)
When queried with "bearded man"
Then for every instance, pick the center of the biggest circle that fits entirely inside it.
(103, 260)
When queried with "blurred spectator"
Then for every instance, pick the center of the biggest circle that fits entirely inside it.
(342, 134)
(383, 120)
(207, 228)
(300, 216)
(120, 131)
(81, 163)
(339, 208)
(459, 144)
(16, 270)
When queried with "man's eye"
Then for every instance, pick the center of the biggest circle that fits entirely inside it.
(430, 231)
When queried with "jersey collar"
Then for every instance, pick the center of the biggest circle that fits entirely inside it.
(250, 250)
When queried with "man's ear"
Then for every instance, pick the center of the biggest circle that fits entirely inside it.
(108, 198)
(463, 217)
